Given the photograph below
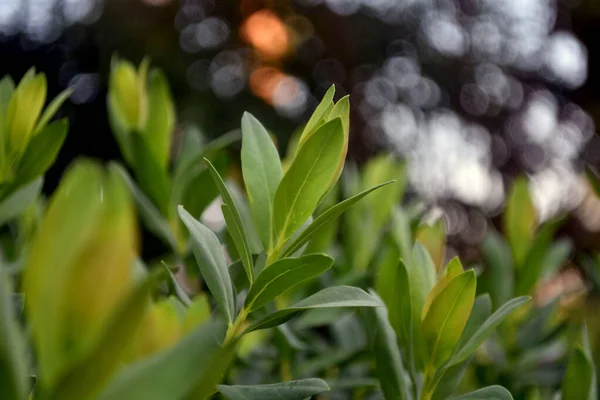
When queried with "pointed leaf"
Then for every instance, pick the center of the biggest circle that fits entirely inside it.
(209, 256)
(453, 269)
(448, 315)
(262, 173)
(235, 226)
(325, 218)
(293, 390)
(318, 117)
(308, 178)
(282, 275)
(332, 297)
(52, 109)
(486, 329)
(498, 277)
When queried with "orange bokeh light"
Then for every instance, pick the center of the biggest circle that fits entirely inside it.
(267, 34)
(263, 82)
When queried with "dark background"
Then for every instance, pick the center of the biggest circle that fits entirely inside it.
(349, 43)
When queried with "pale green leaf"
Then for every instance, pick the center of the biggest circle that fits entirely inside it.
(487, 393)
(293, 390)
(52, 109)
(160, 119)
(17, 202)
(235, 226)
(262, 173)
(211, 261)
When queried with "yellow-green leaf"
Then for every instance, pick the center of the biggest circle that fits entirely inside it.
(444, 323)
(519, 220)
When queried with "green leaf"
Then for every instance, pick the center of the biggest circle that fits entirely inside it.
(534, 260)
(318, 117)
(86, 377)
(380, 169)
(23, 112)
(235, 226)
(579, 381)
(283, 275)
(388, 359)
(579, 378)
(41, 151)
(421, 279)
(327, 216)
(52, 109)
(433, 238)
(498, 277)
(173, 373)
(209, 256)
(519, 220)
(152, 218)
(293, 390)
(401, 233)
(13, 361)
(485, 330)
(261, 168)
(161, 118)
(17, 202)
(452, 270)
(332, 297)
(447, 317)
(482, 308)
(152, 178)
(392, 286)
(488, 393)
(307, 179)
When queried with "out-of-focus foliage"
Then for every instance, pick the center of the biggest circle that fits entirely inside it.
(320, 281)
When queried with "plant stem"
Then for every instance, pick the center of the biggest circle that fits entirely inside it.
(234, 330)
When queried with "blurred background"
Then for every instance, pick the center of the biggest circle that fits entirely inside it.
(472, 93)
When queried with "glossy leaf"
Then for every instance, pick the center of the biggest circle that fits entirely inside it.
(235, 226)
(308, 178)
(487, 393)
(283, 275)
(332, 297)
(293, 390)
(448, 315)
(192, 359)
(13, 359)
(16, 204)
(519, 220)
(325, 218)
(211, 261)
(452, 270)
(486, 329)
(262, 173)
